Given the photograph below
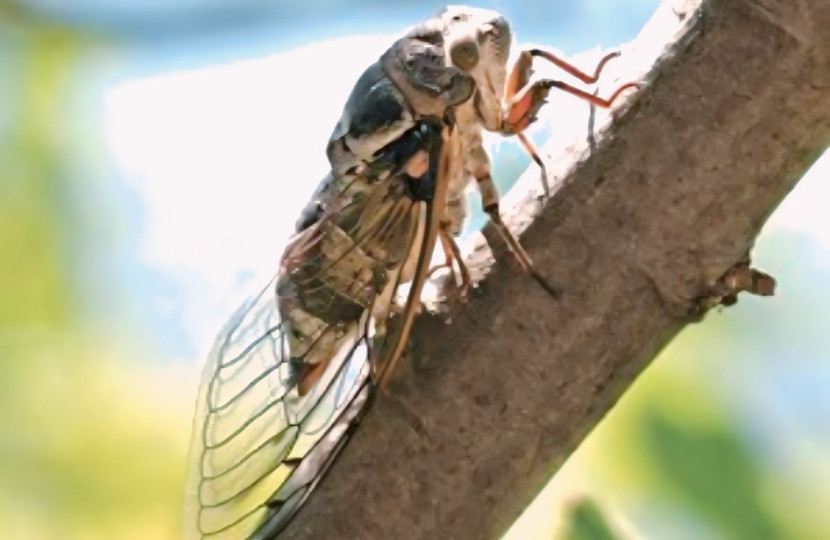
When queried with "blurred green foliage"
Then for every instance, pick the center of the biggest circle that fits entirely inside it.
(85, 451)
(585, 521)
(709, 470)
(33, 275)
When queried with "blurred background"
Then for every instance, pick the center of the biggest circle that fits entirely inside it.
(153, 158)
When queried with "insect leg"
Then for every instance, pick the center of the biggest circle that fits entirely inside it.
(466, 279)
(518, 81)
(522, 100)
(521, 111)
(519, 78)
(453, 253)
(490, 202)
(590, 98)
(521, 255)
(531, 150)
(448, 258)
(455, 213)
(572, 69)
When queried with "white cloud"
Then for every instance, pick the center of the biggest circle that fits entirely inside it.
(805, 208)
(222, 159)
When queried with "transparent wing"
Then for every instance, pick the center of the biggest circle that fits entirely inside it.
(268, 425)
(257, 443)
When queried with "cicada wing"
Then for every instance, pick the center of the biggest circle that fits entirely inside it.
(445, 160)
(350, 393)
(258, 445)
(277, 399)
(314, 465)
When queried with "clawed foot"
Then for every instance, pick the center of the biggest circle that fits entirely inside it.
(446, 281)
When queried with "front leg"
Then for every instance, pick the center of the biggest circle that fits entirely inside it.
(519, 78)
(521, 112)
(523, 100)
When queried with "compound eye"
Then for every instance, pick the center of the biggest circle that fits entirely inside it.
(464, 54)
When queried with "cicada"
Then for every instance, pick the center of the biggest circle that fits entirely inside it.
(296, 366)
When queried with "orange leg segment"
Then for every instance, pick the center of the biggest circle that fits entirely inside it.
(523, 100)
(572, 69)
(531, 150)
(590, 98)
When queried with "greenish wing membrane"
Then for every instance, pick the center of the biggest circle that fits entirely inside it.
(258, 445)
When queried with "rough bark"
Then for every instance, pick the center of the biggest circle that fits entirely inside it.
(487, 408)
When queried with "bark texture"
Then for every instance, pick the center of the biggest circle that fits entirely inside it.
(487, 408)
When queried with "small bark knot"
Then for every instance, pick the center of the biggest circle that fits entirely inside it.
(740, 277)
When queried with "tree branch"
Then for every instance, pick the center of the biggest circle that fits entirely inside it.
(487, 408)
